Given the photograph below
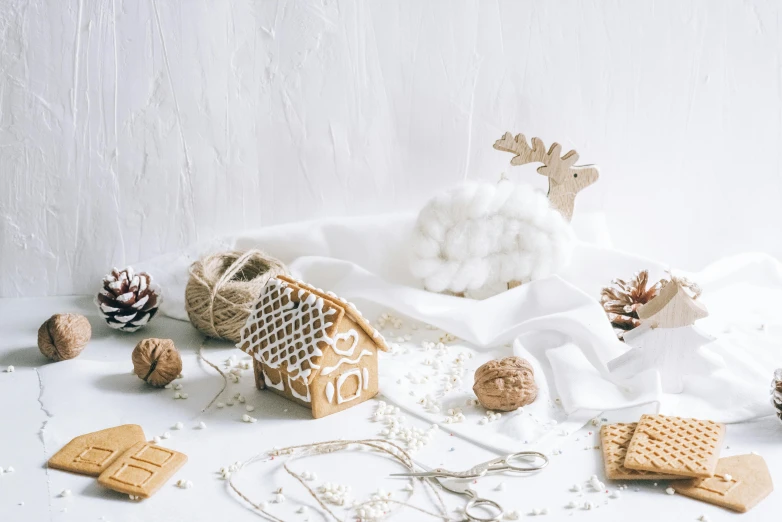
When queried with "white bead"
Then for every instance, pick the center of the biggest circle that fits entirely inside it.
(10, 369)
(249, 408)
(9, 469)
(65, 493)
(670, 490)
(166, 435)
(178, 426)
(264, 506)
(177, 386)
(202, 425)
(220, 405)
(279, 498)
(727, 477)
(184, 396)
(156, 439)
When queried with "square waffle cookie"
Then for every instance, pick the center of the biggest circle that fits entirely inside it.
(614, 439)
(676, 446)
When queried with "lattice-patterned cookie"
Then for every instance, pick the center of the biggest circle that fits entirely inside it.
(614, 440)
(739, 483)
(676, 446)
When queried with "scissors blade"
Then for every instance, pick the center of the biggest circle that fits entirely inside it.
(420, 474)
(459, 486)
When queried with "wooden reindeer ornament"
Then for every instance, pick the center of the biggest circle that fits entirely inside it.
(565, 179)
(668, 340)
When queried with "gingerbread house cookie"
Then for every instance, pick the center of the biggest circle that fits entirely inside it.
(311, 347)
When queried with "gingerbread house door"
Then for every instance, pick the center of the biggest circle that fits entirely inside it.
(347, 386)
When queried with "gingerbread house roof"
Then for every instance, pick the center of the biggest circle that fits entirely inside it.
(291, 324)
(672, 308)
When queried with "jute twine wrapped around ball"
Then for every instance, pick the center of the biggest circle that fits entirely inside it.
(223, 286)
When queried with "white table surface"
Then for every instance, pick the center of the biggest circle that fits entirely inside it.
(46, 404)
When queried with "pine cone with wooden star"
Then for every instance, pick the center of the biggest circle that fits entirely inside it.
(623, 298)
(776, 393)
(128, 300)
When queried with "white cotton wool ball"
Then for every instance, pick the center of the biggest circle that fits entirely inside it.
(425, 246)
(472, 274)
(440, 281)
(481, 238)
(423, 268)
(457, 242)
(479, 205)
(501, 194)
(480, 234)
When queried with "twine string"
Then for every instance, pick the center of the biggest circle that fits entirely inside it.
(297, 452)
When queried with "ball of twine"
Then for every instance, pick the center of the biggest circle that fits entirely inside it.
(222, 288)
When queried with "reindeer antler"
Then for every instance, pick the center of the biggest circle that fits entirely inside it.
(523, 152)
(555, 166)
(565, 178)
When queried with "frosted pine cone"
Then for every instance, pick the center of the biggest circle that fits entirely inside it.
(622, 300)
(128, 300)
(776, 393)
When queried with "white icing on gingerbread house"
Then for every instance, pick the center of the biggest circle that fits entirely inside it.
(311, 346)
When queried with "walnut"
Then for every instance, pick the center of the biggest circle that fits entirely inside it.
(64, 336)
(157, 361)
(505, 384)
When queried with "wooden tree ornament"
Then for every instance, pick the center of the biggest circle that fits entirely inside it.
(565, 179)
(668, 340)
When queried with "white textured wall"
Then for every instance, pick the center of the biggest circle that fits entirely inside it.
(130, 127)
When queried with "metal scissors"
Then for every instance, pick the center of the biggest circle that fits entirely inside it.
(477, 509)
(532, 461)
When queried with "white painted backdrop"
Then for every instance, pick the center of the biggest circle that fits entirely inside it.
(129, 128)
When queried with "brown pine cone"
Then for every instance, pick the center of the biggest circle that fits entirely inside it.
(128, 301)
(776, 393)
(622, 300)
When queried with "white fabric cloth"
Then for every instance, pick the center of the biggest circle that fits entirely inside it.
(556, 323)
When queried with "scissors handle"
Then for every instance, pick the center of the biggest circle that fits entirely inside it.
(507, 463)
(483, 510)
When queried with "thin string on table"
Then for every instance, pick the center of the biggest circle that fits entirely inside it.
(319, 448)
(213, 365)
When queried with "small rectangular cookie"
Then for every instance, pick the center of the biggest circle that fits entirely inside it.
(142, 470)
(92, 453)
(739, 483)
(676, 446)
(614, 440)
